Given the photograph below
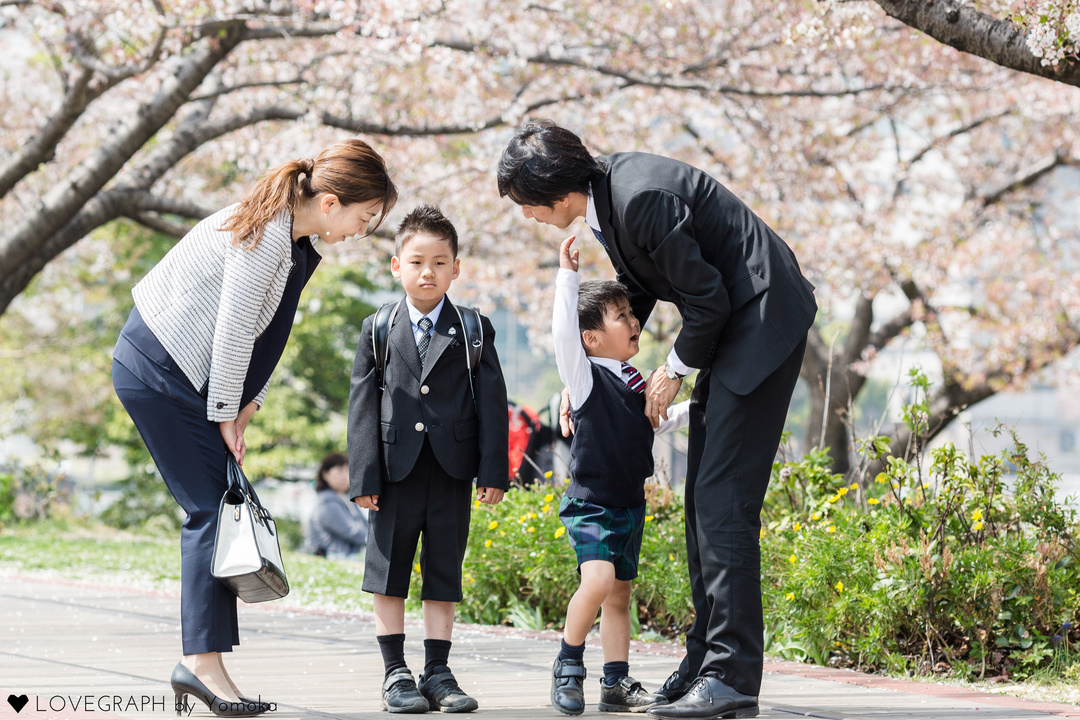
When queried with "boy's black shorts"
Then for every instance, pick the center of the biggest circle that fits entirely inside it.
(427, 504)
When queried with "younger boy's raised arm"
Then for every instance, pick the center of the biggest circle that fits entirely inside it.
(575, 370)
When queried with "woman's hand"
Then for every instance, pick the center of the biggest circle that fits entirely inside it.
(568, 258)
(234, 440)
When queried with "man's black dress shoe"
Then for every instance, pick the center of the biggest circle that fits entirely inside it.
(567, 686)
(675, 687)
(708, 699)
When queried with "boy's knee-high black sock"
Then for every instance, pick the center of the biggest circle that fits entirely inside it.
(615, 671)
(571, 652)
(436, 653)
(392, 648)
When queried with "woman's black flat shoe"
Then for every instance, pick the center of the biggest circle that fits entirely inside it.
(184, 683)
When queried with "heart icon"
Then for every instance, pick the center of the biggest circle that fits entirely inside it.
(17, 702)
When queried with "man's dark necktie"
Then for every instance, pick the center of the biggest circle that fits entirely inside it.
(633, 378)
(600, 236)
(424, 324)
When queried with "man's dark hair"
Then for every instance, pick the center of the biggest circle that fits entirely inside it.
(544, 163)
(427, 219)
(594, 298)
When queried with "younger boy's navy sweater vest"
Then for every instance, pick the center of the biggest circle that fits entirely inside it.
(611, 453)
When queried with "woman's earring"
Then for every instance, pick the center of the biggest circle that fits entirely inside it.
(327, 226)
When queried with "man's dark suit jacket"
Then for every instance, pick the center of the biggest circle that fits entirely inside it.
(469, 442)
(676, 234)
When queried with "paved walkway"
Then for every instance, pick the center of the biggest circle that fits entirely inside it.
(82, 651)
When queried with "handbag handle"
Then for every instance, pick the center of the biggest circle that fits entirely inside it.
(240, 491)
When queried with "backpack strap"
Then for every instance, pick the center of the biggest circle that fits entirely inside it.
(380, 338)
(474, 342)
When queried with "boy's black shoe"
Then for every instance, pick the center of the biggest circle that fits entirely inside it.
(627, 695)
(441, 689)
(674, 688)
(399, 693)
(567, 686)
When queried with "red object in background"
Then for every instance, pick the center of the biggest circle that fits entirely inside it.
(524, 425)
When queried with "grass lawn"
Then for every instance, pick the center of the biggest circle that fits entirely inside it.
(102, 555)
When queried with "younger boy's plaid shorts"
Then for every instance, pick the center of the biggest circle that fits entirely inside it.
(597, 532)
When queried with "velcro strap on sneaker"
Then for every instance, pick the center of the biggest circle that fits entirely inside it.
(565, 671)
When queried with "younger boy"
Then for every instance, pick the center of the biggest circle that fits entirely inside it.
(603, 509)
(415, 446)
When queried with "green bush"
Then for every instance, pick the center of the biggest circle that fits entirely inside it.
(31, 492)
(941, 564)
(519, 566)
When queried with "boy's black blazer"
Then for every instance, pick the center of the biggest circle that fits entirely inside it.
(387, 428)
(676, 234)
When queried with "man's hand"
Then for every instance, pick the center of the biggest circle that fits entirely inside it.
(489, 495)
(568, 258)
(566, 424)
(368, 502)
(659, 392)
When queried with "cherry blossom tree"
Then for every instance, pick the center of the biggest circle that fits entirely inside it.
(909, 177)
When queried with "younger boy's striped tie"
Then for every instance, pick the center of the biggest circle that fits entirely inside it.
(633, 377)
(424, 324)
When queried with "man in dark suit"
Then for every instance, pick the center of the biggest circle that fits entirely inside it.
(673, 233)
(415, 444)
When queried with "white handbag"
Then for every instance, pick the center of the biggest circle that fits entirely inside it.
(247, 557)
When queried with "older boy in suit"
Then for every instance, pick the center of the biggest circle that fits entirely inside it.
(415, 445)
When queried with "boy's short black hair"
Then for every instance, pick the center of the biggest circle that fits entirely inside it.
(544, 163)
(593, 300)
(427, 219)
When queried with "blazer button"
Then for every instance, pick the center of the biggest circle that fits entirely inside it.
(220, 405)
(419, 427)
(424, 389)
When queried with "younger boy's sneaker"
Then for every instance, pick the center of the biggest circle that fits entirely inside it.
(399, 693)
(627, 695)
(441, 689)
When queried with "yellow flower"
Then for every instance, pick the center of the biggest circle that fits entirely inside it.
(671, 557)
(832, 528)
(532, 529)
(548, 474)
(896, 486)
(854, 486)
(545, 508)
(761, 533)
(881, 478)
(978, 525)
(842, 492)
(839, 587)
(872, 501)
(549, 497)
(476, 504)
(792, 558)
(790, 596)
(977, 515)
(560, 532)
(493, 524)
(532, 516)
(487, 543)
(416, 567)
(501, 533)
(797, 527)
(815, 516)
(649, 518)
(834, 498)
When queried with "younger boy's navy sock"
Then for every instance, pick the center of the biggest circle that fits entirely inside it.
(436, 653)
(615, 671)
(572, 652)
(392, 648)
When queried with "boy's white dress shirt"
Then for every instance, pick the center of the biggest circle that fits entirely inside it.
(575, 367)
(415, 315)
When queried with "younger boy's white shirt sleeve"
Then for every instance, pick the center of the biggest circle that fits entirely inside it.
(575, 370)
(678, 416)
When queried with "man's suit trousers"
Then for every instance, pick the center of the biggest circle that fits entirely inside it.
(733, 442)
(190, 455)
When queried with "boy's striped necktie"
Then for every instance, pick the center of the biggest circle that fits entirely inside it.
(633, 378)
(424, 324)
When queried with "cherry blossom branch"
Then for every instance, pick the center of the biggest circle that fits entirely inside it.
(960, 26)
